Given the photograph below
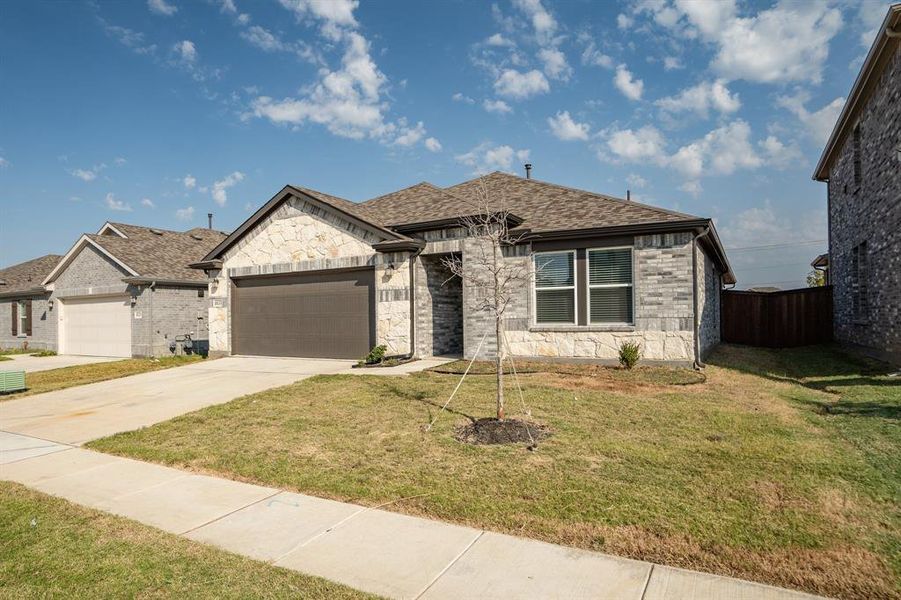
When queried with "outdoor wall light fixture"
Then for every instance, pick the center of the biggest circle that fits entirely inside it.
(50, 304)
(134, 300)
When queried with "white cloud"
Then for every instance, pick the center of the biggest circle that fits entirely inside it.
(219, 188)
(496, 106)
(87, 174)
(778, 154)
(410, 136)
(161, 7)
(131, 39)
(263, 39)
(593, 57)
(185, 214)
(485, 157)
(692, 187)
(870, 15)
(633, 145)
(671, 63)
(709, 17)
(113, 203)
(500, 41)
(720, 152)
(186, 51)
(543, 22)
(555, 65)
(818, 124)
(119, 161)
(3, 163)
(148, 203)
(564, 128)
(514, 84)
(624, 21)
(626, 83)
(460, 97)
(190, 181)
(701, 98)
(432, 145)
(332, 12)
(636, 181)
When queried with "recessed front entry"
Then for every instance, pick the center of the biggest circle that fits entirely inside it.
(326, 314)
(96, 326)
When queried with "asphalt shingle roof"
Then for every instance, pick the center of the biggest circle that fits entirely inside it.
(27, 275)
(542, 206)
(160, 253)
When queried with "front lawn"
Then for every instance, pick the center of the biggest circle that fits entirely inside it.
(58, 379)
(782, 467)
(50, 548)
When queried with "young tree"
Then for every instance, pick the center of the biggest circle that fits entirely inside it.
(816, 278)
(485, 268)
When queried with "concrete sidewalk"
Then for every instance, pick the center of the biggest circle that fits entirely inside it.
(373, 550)
(33, 364)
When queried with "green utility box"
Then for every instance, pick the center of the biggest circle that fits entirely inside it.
(12, 381)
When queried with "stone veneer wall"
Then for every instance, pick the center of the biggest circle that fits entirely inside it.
(708, 277)
(43, 325)
(439, 308)
(664, 322)
(299, 236)
(870, 213)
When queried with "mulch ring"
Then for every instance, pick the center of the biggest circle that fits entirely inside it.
(509, 431)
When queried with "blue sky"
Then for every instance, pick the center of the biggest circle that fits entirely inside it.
(159, 112)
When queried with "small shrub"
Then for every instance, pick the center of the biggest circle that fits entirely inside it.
(45, 353)
(629, 354)
(376, 355)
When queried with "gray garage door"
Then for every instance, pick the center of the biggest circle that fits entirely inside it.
(317, 315)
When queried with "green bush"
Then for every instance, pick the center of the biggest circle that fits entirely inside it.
(376, 355)
(44, 353)
(629, 354)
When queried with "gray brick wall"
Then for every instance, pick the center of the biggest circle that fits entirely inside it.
(166, 312)
(870, 213)
(708, 302)
(43, 325)
(439, 308)
(90, 273)
(663, 281)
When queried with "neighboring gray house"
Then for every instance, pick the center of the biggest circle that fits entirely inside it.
(25, 312)
(311, 274)
(862, 165)
(128, 291)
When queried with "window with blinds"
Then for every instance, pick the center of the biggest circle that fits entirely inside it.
(610, 285)
(555, 287)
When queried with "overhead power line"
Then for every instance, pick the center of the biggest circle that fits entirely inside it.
(786, 245)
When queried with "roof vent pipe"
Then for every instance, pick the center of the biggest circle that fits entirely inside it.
(528, 170)
(209, 218)
(628, 195)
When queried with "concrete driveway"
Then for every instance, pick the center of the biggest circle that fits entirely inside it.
(80, 414)
(33, 364)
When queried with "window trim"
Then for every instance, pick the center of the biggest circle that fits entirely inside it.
(574, 287)
(589, 286)
(22, 318)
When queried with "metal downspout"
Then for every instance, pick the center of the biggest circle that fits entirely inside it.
(699, 364)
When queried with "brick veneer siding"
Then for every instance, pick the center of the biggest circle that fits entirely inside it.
(708, 277)
(871, 213)
(439, 308)
(664, 310)
(167, 312)
(43, 325)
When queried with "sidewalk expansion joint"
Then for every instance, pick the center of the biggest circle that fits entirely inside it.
(229, 513)
(449, 565)
(647, 581)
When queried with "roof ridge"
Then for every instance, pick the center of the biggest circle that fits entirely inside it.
(403, 189)
(582, 191)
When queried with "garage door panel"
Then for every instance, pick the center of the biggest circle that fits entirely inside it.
(97, 326)
(321, 315)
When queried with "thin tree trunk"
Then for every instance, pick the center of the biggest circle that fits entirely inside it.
(499, 365)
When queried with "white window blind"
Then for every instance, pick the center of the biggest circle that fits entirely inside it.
(555, 287)
(610, 285)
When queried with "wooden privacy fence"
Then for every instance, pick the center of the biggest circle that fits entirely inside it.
(777, 319)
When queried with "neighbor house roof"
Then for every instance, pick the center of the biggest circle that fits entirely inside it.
(880, 54)
(26, 277)
(149, 253)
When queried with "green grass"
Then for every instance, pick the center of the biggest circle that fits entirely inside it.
(641, 374)
(50, 548)
(58, 379)
(44, 353)
(5, 351)
(2, 358)
(747, 474)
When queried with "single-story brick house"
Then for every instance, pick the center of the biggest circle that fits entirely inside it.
(310, 274)
(861, 164)
(25, 314)
(124, 291)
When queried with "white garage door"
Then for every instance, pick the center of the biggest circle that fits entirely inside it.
(97, 326)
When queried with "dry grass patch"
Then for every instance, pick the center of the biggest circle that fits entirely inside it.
(740, 475)
(50, 548)
(58, 379)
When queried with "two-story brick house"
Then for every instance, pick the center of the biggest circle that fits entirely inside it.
(862, 167)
